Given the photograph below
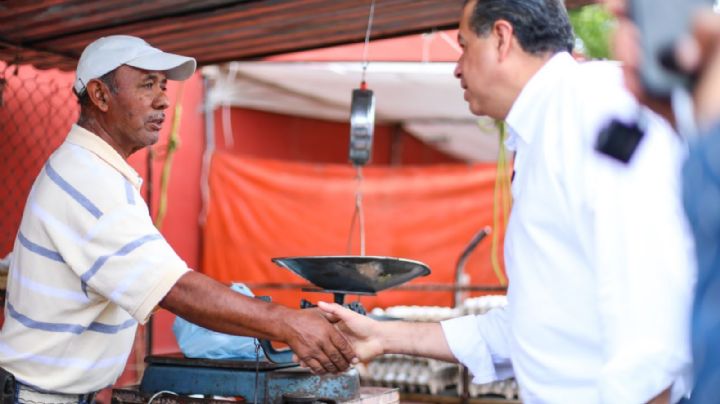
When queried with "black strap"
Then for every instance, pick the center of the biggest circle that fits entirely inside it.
(7, 383)
(87, 398)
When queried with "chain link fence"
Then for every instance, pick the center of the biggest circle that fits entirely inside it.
(37, 109)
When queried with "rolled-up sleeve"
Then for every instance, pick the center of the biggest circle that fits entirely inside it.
(482, 344)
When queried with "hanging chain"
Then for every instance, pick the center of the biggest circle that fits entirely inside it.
(358, 215)
(367, 40)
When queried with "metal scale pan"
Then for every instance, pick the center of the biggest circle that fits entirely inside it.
(365, 275)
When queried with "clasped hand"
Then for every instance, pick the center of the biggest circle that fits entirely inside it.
(362, 332)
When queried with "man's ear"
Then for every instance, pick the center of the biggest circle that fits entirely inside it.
(98, 93)
(503, 32)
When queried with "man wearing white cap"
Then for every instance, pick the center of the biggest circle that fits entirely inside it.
(89, 264)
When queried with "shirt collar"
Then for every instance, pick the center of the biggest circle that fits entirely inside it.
(536, 89)
(87, 140)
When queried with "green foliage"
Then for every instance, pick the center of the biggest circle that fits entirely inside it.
(593, 25)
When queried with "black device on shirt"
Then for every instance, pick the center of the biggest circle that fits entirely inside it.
(619, 140)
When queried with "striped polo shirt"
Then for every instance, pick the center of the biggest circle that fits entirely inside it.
(88, 265)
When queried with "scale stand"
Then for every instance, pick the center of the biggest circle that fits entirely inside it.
(232, 378)
(338, 297)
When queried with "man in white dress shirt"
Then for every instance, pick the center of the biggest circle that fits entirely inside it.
(597, 251)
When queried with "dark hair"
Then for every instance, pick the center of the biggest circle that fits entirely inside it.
(540, 26)
(108, 79)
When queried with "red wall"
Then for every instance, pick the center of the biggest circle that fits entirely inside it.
(269, 135)
(440, 46)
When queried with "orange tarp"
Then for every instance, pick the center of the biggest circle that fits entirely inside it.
(261, 209)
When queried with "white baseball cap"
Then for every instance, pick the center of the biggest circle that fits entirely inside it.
(108, 53)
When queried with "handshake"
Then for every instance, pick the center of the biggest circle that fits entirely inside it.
(354, 337)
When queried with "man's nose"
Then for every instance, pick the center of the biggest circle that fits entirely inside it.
(458, 70)
(161, 101)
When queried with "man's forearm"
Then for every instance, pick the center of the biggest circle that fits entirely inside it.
(208, 303)
(417, 339)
